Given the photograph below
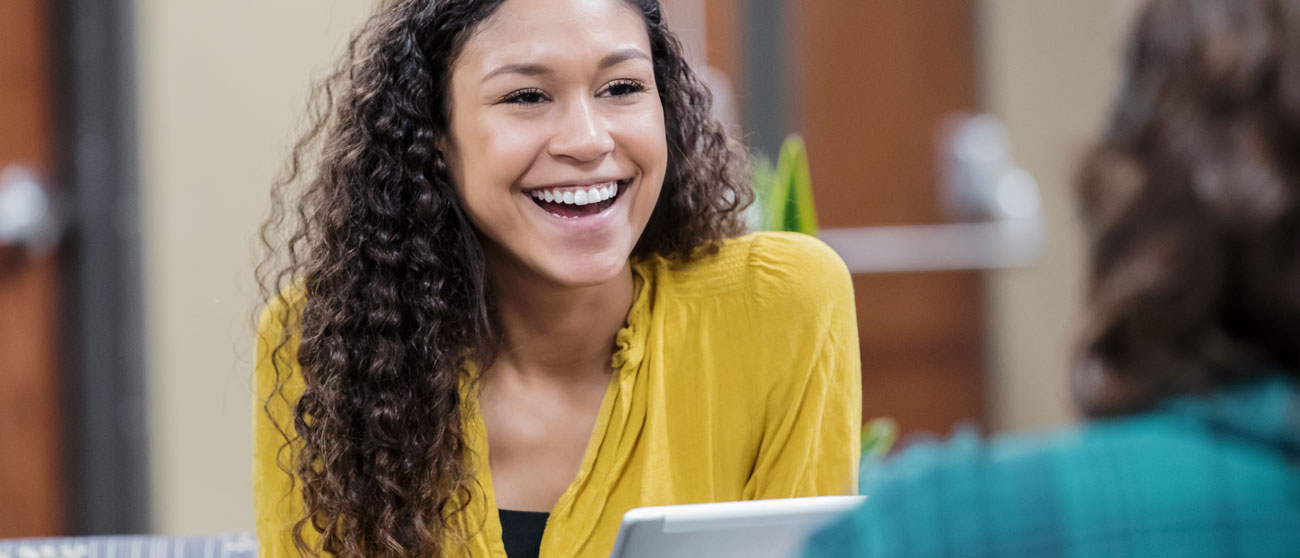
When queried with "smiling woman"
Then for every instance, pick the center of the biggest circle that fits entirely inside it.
(511, 301)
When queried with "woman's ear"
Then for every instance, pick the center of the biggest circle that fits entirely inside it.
(443, 153)
(439, 162)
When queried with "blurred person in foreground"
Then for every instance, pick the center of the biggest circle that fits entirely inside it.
(1189, 370)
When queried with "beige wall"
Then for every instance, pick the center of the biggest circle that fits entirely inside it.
(221, 86)
(1048, 69)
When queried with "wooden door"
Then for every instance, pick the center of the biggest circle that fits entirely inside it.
(31, 478)
(874, 82)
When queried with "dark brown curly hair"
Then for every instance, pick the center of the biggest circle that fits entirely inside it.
(395, 299)
(1191, 205)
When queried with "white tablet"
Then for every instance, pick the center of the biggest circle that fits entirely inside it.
(753, 529)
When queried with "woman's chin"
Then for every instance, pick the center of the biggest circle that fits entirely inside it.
(559, 264)
(584, 269)
(588, 275)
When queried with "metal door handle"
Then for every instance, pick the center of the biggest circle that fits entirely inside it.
(29, 215)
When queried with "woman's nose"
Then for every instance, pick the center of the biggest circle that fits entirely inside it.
(582, 134)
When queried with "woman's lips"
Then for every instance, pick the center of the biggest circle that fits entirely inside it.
(575, 202)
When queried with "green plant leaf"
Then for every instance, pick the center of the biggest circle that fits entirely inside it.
(784, 192)
(793, 171)
(778, 198)
(878, 436)
(763, 175)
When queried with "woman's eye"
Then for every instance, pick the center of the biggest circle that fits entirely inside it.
(525, 97)
(624, 88)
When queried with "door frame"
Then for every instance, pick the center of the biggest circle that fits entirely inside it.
(106, 429)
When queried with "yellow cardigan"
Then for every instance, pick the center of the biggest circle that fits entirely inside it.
(736, 378)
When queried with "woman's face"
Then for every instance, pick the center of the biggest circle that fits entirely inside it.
(557, 140)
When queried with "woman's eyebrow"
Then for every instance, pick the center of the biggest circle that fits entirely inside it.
(523, 68)
(623, 55)
(535, 69)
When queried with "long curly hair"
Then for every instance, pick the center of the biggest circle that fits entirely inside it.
(395, 302)
(1191, 205)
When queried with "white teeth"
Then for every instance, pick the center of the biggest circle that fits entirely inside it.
(578, 197)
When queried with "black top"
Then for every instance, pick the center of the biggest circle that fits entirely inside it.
(521, 531)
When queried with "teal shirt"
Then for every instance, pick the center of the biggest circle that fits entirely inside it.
(1212, 476)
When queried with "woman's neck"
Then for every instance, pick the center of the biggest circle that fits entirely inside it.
(554, 332)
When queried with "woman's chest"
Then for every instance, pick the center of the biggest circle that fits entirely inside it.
(537, 440)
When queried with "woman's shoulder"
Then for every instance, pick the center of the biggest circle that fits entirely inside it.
(766, 265)
(795, 263)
